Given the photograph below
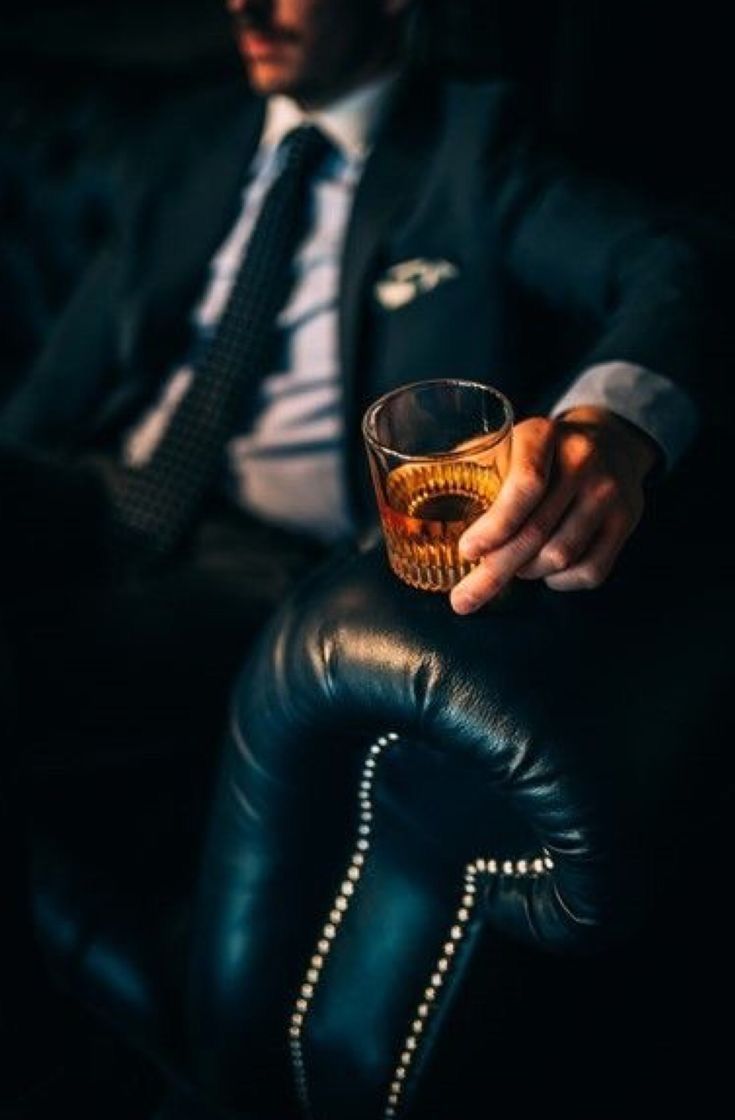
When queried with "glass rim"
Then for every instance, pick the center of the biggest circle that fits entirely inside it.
(491, 437)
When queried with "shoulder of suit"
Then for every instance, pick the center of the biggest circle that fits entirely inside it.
(484, 101)
(480, 115)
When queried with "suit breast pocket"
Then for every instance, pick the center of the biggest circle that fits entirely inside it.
(445, 330)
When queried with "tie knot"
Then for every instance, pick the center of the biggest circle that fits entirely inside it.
(305, 147)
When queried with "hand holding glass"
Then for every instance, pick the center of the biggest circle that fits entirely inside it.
(439, 452)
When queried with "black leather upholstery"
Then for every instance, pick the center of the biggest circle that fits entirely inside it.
(512, 745)
(578, 733)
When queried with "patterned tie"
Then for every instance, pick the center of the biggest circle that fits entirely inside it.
(154, 505)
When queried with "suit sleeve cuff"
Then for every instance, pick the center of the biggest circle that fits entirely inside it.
(653, 403)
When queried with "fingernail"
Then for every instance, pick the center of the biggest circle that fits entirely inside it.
(469, 550)
(461, 602)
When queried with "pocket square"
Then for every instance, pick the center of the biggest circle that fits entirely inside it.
(405, 281)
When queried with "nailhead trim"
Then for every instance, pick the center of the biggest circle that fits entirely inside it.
(516, 869)
(339, 909)
(520, 868)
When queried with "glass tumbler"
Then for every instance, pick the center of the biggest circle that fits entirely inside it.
(439, 451)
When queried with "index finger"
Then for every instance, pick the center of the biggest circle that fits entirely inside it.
(525, 485)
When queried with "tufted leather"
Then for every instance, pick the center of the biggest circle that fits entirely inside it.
(545, 724)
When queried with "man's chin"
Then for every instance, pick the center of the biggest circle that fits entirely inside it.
(268, 80)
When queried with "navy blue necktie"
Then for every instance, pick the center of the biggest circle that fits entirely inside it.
(156, 504)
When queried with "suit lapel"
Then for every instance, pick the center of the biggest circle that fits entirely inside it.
(389, 184)
(194, 220)
(198, 215)
(388, 188)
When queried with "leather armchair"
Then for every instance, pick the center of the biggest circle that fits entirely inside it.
(441, 854)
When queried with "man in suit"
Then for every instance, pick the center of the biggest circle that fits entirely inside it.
(438, 239)
(422, 173)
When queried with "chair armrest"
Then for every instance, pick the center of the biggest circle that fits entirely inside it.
(538, 746)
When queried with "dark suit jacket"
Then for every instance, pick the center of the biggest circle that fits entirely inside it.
(555, 272)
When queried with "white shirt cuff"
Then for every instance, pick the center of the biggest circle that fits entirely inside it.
(653, 403)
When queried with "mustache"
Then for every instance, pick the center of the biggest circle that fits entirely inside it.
(259, 23)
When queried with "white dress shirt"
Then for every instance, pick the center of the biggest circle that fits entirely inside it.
(286, 465)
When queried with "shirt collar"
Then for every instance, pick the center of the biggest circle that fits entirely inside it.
(350, 122)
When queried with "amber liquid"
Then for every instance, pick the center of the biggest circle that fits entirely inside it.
(426, 509)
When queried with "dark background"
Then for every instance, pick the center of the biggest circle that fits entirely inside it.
(632, 89)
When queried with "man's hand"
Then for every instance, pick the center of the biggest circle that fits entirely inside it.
(572, 497)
